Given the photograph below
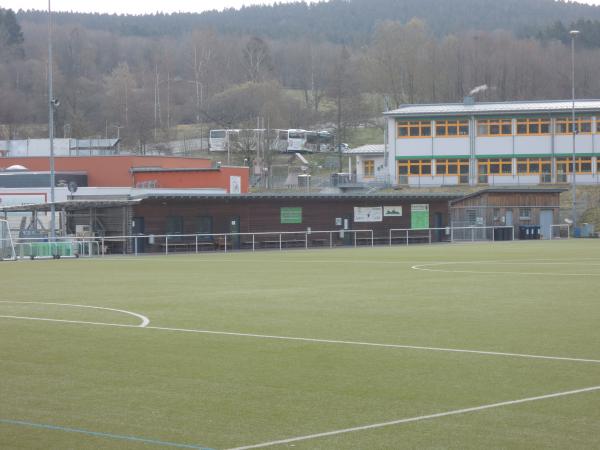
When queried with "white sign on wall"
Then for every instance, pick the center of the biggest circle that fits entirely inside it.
(235, 185)
(392, 211)
(368, 214)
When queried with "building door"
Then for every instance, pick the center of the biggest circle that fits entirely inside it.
(546, 219)
(508, 218)
(347, 225)
(234, 227)
(138, 227)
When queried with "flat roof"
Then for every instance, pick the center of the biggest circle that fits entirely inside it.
(490, 108)
(71, 205)
(180, 169)
(309, 196)
(7, 173)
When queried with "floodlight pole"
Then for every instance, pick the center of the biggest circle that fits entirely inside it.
(51, 129)
(573, 34)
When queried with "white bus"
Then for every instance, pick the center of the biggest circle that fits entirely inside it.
(291, 141)
(222, 140)
(296, 140)
(319, 141)
(283, 141)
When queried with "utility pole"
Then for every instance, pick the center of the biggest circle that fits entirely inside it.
(573, 34)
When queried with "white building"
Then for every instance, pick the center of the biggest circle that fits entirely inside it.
(367, 163)
(505, 143)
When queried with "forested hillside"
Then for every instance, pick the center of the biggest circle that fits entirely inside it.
(350, 22)
(335, 64)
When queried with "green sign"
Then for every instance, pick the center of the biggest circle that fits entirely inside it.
(291, 215)
(419, 216)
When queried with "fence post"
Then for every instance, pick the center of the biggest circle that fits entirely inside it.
(135, 246)
(253, 241)
(331, 239)
(196, 236)
(279, 241)
(225, 243)
(166, 244)
(406, 238)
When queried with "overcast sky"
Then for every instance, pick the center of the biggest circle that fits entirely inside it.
(145, 6)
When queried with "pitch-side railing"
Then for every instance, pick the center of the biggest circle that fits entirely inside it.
(280, 240)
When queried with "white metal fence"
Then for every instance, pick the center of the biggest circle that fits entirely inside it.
(277, 240)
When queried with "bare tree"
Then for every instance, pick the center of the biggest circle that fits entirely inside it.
(257, 59)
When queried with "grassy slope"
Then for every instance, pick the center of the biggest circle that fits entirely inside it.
(223, 391)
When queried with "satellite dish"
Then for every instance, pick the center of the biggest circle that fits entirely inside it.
(568, 221)
(72, 186)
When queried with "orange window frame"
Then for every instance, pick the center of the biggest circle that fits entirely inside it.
(451, 128)
(494, 127)
(504, 166)
(564, 165)
(414, 167)
(413, 129)
(531, 125)
(564, 125)
(369, 168)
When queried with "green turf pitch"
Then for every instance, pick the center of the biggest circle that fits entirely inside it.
(65, 384)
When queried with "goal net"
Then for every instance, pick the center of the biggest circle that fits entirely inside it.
(7, 247)
(482, 233)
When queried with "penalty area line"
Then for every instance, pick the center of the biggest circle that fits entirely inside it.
(316, 340)
(120, 437)
(418, 418)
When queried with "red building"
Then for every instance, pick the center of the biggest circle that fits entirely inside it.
(147, 171)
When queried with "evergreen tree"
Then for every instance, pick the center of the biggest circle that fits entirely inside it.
(11, 36)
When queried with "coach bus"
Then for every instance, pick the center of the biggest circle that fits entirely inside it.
(222, 140)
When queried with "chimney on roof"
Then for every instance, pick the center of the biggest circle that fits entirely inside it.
(469, 100)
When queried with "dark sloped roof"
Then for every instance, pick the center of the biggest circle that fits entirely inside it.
(532, 190)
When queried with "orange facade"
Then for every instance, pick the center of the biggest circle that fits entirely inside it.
(190, 178)
(124, 170)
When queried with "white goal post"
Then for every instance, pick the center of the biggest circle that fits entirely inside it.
(560, 231)
(7, 247)
(451, 234)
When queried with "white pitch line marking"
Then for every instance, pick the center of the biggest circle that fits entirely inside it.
(418, 418)
(143, 324)
(428, 267)
(321, 341)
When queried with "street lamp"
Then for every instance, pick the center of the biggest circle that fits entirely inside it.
(52, 103)
(573, 34)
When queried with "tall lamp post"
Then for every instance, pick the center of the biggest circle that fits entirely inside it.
(573, 34)
(52, 103)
